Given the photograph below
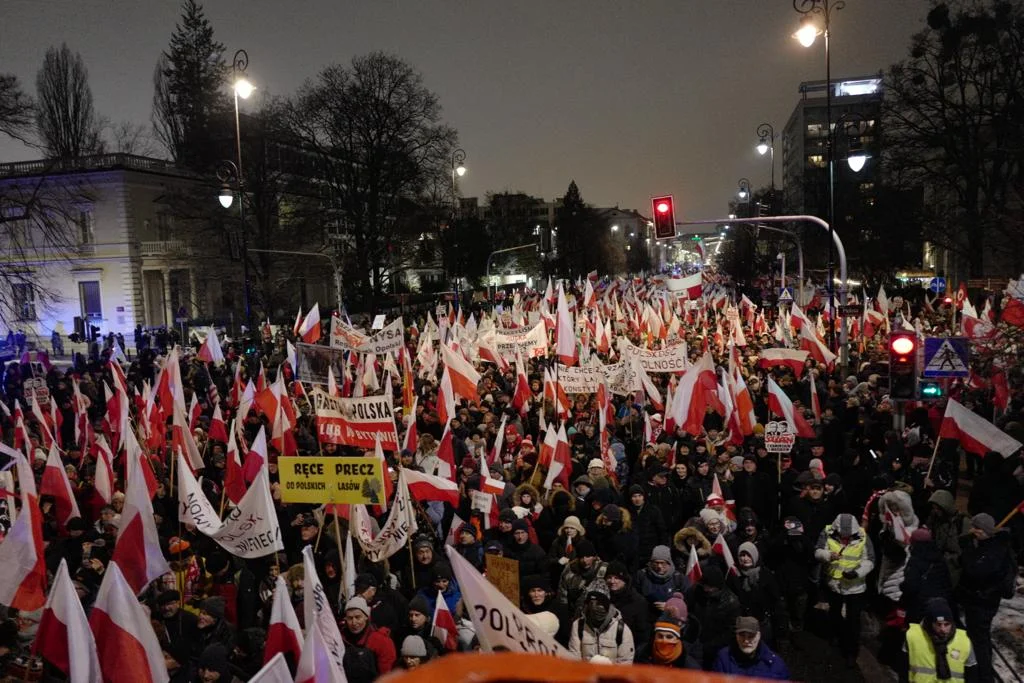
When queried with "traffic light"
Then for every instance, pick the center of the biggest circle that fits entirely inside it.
(94, 332)
(929, 391)
(664, 217)
(903, 365)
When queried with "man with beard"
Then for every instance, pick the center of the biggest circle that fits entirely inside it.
(600, 630)
(180, 624)
(577, 576)
(748, 656)
(936, 649)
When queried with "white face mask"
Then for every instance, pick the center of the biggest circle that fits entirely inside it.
(749, 645)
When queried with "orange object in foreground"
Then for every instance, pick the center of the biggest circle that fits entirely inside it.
(516, 666)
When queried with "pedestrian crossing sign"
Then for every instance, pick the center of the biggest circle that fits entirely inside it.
(946, 357)
(786, 295)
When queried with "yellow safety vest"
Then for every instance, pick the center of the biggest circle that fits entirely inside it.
(849, 555)
(922, 655)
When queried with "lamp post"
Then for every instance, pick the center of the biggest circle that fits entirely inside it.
(743, 191)
(806, 35)
(766, 143)
(458, 170)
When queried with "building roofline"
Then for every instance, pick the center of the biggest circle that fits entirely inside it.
(38, 168)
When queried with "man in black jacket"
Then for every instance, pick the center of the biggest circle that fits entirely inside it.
(756, 490)
(630, 604)
(532, 559)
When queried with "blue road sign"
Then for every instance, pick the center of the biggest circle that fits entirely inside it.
(785, 295)
(937, 285)
(946, 357)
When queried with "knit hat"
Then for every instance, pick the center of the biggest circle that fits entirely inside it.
(747, 625)
(676, 605)
(536, 581)
(364, 581)
(545, 621)
(938, 609)
(750, 549)
(214, 606)
(618, 569)
(215, 658)
(359, 604)
(413, 646)
(507, 515)
(612, 512)
(419, 604)
(708, 515)
(520, 525)
(585, 548)
(637, 488)
(494, 547)
(713, 577)
(442, 570)
(422, 542)
(846, 524)
(599, 589)
(661, 552)
(920, 535)
(596, 462)
(167, 597)
(667, 623)
(583, 479)
(714, 499)
(572, 522)
(985, 523)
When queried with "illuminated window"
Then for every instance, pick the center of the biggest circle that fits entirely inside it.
(23, 296)
(816, 161)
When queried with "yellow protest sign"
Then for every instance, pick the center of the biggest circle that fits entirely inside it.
(331, 480)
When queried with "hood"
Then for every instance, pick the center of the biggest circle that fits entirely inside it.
(898, 502)
(527, 488)
(562, 499)
(944, 499)
(751, 550)
(846, 524)
(694, 536)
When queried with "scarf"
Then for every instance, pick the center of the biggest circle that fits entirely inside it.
(941, 663)
(666, 652)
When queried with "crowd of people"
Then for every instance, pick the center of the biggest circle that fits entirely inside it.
(694, 551)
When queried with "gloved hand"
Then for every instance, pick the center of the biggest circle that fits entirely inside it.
(850, 574)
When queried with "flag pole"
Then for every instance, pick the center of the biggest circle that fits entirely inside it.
(341, 557)
(1008, 517)
(931, 463)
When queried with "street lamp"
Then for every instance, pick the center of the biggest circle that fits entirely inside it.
(766, 136)
(744, 190)
(230, 175)
(615, 228)
(807, 34)
(458, 170)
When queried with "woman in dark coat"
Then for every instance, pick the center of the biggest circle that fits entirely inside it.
(925, 576)
(647, 521)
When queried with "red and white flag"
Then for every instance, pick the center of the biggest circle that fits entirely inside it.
(565, 332)
(560, 468)
(309, 330)
(809, 342)
(722, 548)
(461, 372)
(424, 487)
(693, 570)
(446, 454)
(411, 440)
(790, 358)
(137, 551)
(23, 579)
(316, 664)
(104, 477)
(274, 671)
(324, 649)
(210, 351)
(256, 457)
(55, 483)
(443, 625)
(689, 404)
(234, 479)
(126, 646)
(693, 285)
(780, 404)
(975, 434)
(445, 397)
(218, 427)
(64, 638)
(284, 634)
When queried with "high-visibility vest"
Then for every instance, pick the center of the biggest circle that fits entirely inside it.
(921, 653)
(849, 555)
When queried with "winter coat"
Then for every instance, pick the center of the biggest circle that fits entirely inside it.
(634, 611)
(717, 614)
(669, 500)
(574, 581)
(552, 605)
(472, 553)
(616, 542)
(814, 515)
(893, 542)
(757, 491)
(924, 577)
(791, 557)
(984, 564)
(452, 596)
(656, 588)
(377, 641)
(532, 560)
(763, 664)
(602, 641)
(650, 527)
(682, 541)
(947, 526)
(857, 556)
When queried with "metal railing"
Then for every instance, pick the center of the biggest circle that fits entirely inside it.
(165, 248)
(95, 162)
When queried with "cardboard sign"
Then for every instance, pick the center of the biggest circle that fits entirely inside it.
(390, 338)
(378, 322)
(673, 359)
(532, 342)
(622, 377)
(355, 421)
(503, 573)
(331, 480)
(779, 437)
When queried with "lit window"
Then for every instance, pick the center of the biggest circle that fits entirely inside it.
(816, 161)
(24, 299)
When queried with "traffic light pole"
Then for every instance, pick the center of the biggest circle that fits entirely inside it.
(844, 339)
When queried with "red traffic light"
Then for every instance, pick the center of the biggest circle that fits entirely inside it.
(664, 217)
(903, 345)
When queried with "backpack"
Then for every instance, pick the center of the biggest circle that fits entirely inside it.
(618, 633)
(360, 664)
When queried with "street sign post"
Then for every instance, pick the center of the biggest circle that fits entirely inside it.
(937, 285)
(786, 295)
(946, 357)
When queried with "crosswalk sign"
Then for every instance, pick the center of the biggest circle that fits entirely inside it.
(946, 357)
(786, 295)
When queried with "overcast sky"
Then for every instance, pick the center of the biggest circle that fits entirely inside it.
(628, 97)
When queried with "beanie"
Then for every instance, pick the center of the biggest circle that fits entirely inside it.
(750, 549)
(676, 606)
(413, 646)
(667, 623)
(585, 548)
(713, 577)
(520, 525)
(612, 512)
(359, 604)
(214, 606)
(442, 570)
(419, 604)
(985, 523)
(618, 569)
(920, 535)
(661, 552)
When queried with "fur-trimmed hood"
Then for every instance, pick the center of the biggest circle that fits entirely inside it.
(898, 502)
(695, 537)
(526, 488)
(626, 524)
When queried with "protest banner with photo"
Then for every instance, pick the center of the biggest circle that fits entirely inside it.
(331, 480)
(532, 342)
(313, 361)
(498, 623)
(395, 533)
(388, 339)
(581, 379)
(503, 573)
(355, 421)
(671, 359)
(779, 437)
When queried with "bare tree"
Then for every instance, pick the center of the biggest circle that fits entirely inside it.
(131, 138)
(66, 122)
(15, 109)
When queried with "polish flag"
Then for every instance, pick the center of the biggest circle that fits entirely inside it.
(462, 374)
(780, 404)
(274, 671)
(565, 332)
(194, 412)
(234, 480)
(446, 454)
(137, 551)
(55, 483)
(561, 462)
(546, 455)
(135, 463)
(127, 647)
(256, 457)
(815, 404)
(790, 358)
(64, 638)
(309, 330)
(23, 580)
(183, 442)
(298, 322)
(689, 404)
(489, 353)
(104, 478)
(210, 351)
(284, 634)
(218, 427)
(332, 384)
(693, 285)
(424, 487)
(821, 353)
(975, 434)
(316, 664)
(44, 424)
(693, 570)
(410, 443)
(720, 547)
(744, 404)
(445, 398)
(443, 625)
